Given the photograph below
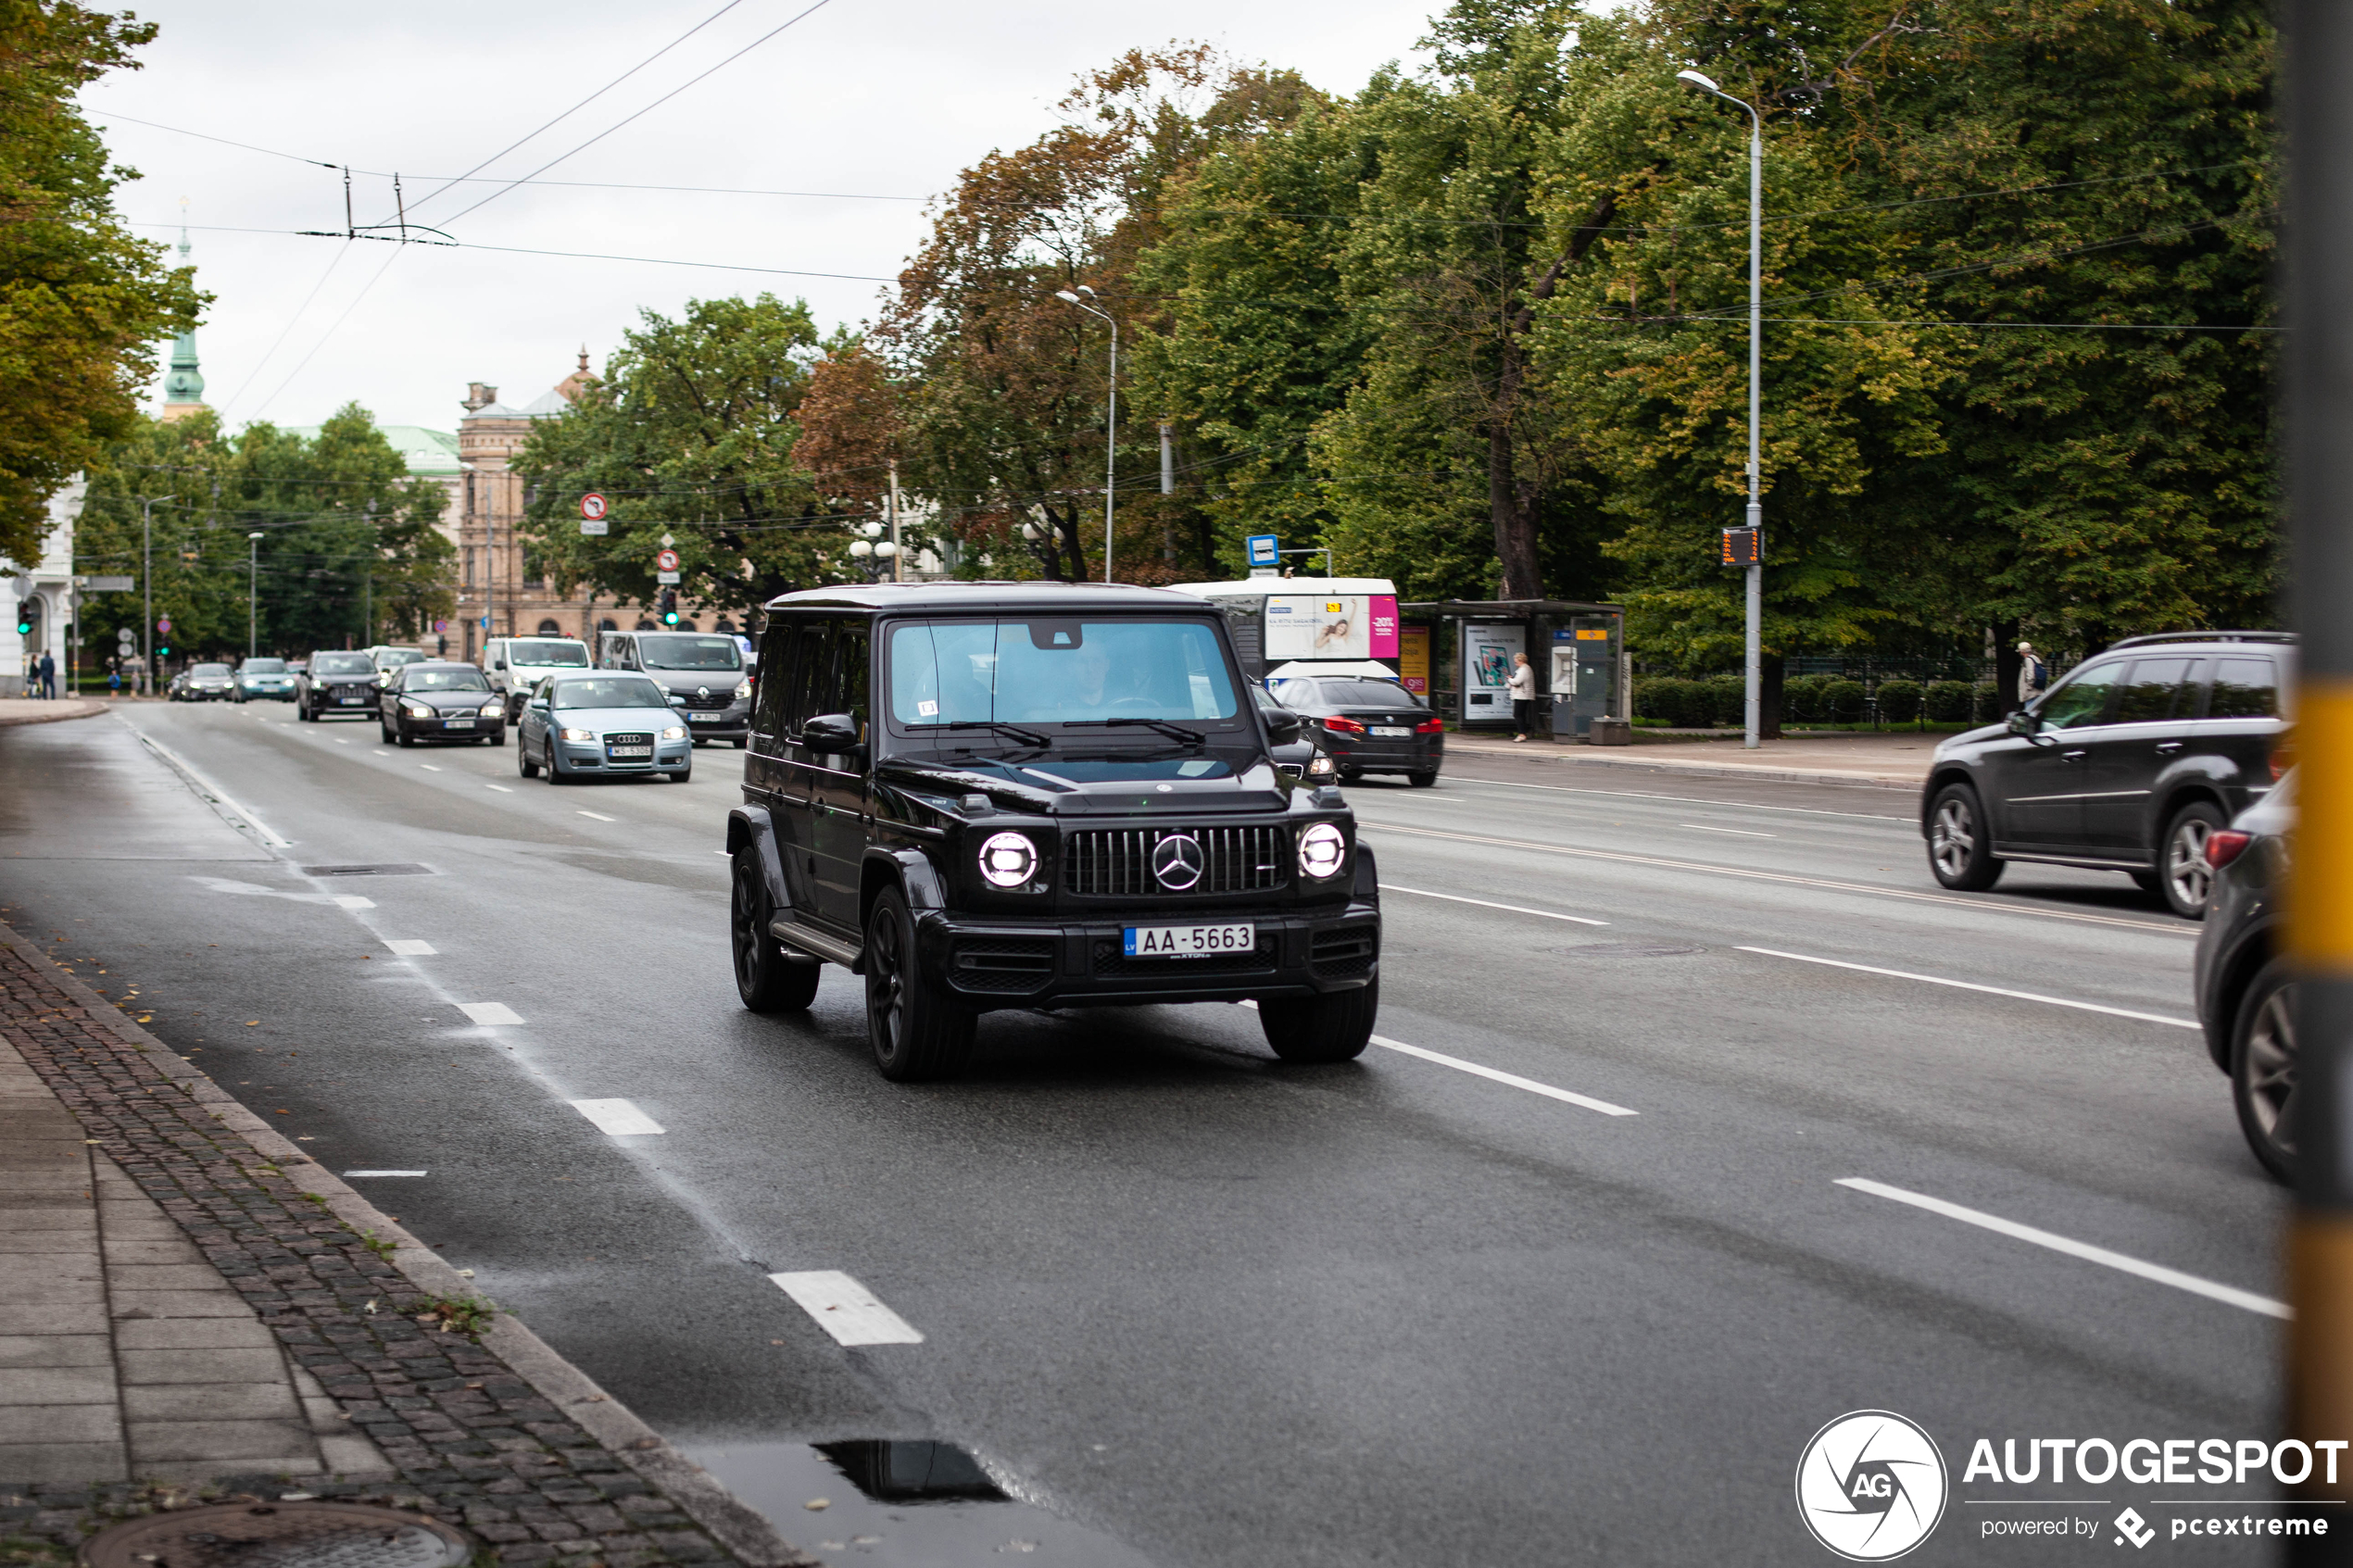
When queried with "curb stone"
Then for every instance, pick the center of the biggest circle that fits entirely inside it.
(740, 1530)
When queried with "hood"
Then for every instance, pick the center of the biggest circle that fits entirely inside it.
(1972, 737)
(446, 700)
(604, 719)
(1173, 782)
(685, 682)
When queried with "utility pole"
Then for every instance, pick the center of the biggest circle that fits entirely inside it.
(2316, 59)
(1111, 413)
(253, 593)
(898, 551)
(147, 505)
(1167, 487)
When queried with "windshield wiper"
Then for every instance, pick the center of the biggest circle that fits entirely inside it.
(1174, 732)
(1027, 737)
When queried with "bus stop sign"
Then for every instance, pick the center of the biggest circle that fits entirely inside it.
(1264, 550)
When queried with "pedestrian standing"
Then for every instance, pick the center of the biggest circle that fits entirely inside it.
(1523, 689)
(114, 679)
(2032, 674)
(49, 675)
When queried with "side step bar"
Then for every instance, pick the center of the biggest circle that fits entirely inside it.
(816, 944)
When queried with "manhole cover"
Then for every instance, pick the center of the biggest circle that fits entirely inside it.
(1623, 950)
(284, 1535)
(368, 870)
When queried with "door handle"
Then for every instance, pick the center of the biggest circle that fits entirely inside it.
(2168, 747)
(2072, 756)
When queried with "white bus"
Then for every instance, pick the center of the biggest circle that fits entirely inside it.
(1328, 621)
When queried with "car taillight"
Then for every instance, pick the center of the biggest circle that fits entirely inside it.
(1344, 726)
(2225, 844)
(1431, 727)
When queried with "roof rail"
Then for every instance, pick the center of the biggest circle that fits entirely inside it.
(2203, 637)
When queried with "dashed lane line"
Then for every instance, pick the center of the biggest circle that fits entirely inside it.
(1491, 1074)
(1971, 985)
(1790, 878)
(2229, 1295)
(1741, 832)
(428, 766)
(846, 1309)
(598, 815)
(490, 1012)
(409, 948)
(500, 788)
(617, 1118)
(1482, 903)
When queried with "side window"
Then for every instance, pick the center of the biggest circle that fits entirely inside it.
(850, 665)
(2083, 698)
(2154, 690)
(812, 675)
(777, 668)
(2244, 688)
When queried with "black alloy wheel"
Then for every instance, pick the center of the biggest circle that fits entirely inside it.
(2263, 1069)
(2181, 858)
(1960, 847)
(765, 979)
(1328, 1028)
(915, 1029)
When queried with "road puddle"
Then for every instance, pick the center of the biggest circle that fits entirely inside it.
(900, 1504)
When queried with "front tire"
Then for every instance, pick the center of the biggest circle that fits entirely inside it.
(765, 980)
(915, 1029)
(1328, 1028)
(523, 764)
(2181, 858)
(555, 769)
(682, 775)
(498, 737)
(2263, 1069)
(1960, 842)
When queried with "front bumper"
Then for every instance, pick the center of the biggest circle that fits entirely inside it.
(1010, 963)
(731, 722)
(669, 756)
(453, 726)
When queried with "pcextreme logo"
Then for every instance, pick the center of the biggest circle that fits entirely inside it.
(1871, 1485)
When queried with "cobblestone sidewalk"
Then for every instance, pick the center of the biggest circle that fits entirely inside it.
(495, 1433)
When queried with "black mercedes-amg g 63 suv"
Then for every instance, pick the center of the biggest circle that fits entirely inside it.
(1004, 795)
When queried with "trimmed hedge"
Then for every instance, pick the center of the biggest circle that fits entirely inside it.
(1988, 703)
(1949, 702)
(1843, 702)
(1802, 699)
(1899, 701)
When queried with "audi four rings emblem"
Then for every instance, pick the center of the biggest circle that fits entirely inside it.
(1176, 861)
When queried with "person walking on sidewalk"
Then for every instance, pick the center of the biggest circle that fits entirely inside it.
(48, 676)
(2032, 674)
(1523, 689)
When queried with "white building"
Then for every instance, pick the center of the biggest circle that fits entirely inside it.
(46, 592)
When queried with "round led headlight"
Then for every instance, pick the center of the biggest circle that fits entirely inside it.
(1008, 860)
(1322, 847)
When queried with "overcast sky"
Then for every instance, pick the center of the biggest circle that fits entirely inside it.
(863, 97)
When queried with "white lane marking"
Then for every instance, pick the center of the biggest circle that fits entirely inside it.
(490, 1012)
(1989, 990)
(353, 901)
(339, 740)
(1746, 874)
(267, 835)
(1513, 1079)
(1458, 898)
(846, 1309)
(353, 1175)
(250, 889)
(409, 948)
(500, 788)
(598, 815)
(1703, 827)
(617, 1118)
(428, 766)
(1684, 799)
(2229, 1295)
(380, 751)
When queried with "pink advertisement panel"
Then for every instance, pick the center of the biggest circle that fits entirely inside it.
(1382, 613)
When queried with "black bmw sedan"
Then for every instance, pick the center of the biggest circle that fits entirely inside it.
(436, 700)
(1366, 725)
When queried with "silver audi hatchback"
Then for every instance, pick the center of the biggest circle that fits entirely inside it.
(601, 722)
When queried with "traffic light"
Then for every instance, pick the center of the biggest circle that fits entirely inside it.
(24, 619)
(1742, 547)
(669, 605)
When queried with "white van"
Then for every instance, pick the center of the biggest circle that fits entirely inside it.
(516, 664)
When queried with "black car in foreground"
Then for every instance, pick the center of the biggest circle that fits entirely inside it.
(434, 699)
(1368, 725)
(337, 682)
(2245, 999)
(2128, 764)
(994, 795)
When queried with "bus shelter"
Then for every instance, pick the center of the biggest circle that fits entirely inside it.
(1457, 654)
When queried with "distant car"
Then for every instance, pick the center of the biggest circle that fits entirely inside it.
(2245, 997)
(337, 682)
(203, 682)
(703, 673)
(599, 723)
(2126, 765)
(440, 700)
(388, 660)
(1367, 725)
(266, 678)
(517, 665)
(1299, 757)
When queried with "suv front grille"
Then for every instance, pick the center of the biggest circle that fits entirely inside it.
(1343, 951)
(1010, 965)
(1118, 863)
(716, 699)
(1111, 957)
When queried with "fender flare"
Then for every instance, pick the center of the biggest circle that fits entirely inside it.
(910, 869)
(1366, 888)
(749, 826)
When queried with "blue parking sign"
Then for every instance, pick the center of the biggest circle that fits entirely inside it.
(1263, 548)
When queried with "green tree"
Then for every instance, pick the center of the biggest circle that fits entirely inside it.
(81, 302)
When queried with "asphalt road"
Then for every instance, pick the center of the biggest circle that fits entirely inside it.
(1200, 1307)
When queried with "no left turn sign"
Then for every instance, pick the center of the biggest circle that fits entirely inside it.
(592, 507)
(667, 560)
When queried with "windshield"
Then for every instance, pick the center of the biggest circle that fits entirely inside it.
(566, 655)
(393, 658)
(443, 680)
(1057, 671)
(208, 669)
(609, 691)
(678, 651)
(265, 666)
(341, 664)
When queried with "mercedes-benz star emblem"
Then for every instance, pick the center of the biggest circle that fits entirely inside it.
(1176, 861)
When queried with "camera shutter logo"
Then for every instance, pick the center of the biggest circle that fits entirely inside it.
(1178, 862)
(1871, 1485)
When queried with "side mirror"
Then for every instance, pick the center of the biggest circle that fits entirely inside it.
(2023, 723)
(833, 732)
(1282, 725)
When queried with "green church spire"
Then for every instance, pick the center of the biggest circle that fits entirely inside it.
(183, 386)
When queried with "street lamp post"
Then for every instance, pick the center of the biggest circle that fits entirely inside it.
(253, 593)
(1110, 412)
(1755, 700)
(147, 505)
